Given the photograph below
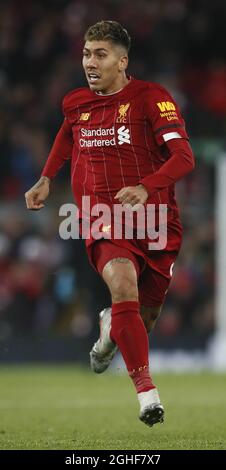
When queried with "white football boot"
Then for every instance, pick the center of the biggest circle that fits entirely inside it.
(104, 349)
(151, 410)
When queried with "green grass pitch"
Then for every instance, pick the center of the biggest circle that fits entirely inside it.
(64, 407)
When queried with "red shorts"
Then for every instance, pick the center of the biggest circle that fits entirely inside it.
(154, 268)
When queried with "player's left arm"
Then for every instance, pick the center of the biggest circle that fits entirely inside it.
(180, 163)
(169, 130)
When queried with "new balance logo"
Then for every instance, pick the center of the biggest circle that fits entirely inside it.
(84, 117)
(166, 106)
(123, 135)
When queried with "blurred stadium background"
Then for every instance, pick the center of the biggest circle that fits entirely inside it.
(49, 295)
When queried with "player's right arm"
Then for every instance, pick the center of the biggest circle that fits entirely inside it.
(59, 153)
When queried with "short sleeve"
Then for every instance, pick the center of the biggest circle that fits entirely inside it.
(164, 115)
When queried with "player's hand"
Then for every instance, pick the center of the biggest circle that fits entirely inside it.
(132, 195)
(35, 196)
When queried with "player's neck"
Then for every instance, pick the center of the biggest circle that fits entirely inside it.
(115, 88)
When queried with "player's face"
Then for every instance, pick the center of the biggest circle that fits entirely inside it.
(104, 64)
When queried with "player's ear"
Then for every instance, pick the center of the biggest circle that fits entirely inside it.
(123, 63)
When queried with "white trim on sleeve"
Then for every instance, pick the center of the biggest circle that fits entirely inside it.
(171, 135)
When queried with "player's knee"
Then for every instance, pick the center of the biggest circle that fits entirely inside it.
(121, 279)
(123, 289)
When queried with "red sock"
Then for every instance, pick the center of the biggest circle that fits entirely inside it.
(129, 333)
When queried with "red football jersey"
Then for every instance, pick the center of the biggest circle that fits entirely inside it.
(117, 140)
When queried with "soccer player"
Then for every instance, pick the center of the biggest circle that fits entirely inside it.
(128, 145)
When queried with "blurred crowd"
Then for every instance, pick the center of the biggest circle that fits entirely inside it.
(46, 284)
